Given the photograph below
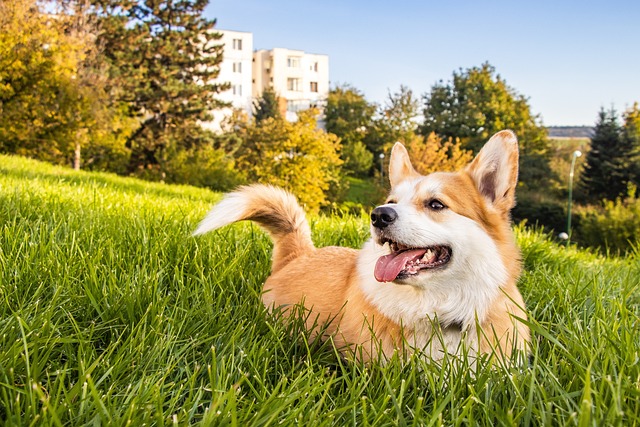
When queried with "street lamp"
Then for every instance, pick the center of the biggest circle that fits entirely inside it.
(381, 168)
(575, 155)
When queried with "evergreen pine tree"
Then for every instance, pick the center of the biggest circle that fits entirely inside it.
(164, 57)
(603, 176)
(266, 106)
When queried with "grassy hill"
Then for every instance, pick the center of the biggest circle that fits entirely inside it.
(110, 313)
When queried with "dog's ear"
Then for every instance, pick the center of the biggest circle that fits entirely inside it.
(495, 170)
(400, 167)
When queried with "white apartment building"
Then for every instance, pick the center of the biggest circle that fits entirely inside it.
(235, 68)
(300, 79)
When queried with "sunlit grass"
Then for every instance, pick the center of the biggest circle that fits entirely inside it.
(110, 313)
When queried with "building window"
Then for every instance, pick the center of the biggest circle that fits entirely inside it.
(237, 44)
(314, 67)
(293, 85)
(237, 90)
(297, 105)
(314, 86)
(237, 67)
(293, 62)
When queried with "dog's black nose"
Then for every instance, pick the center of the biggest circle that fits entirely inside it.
(383, 216)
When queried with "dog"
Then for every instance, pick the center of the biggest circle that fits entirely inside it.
(438, 274)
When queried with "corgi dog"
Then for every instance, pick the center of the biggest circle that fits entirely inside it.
(438, 274)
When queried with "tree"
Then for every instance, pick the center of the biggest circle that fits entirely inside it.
(476, 104)
(357, 159)
(52, 95)
(431, 154)
(266, 106)
(349, 116)
(612, 159)
(631, 143)
(164, 58)
(297, 156)
(395, 121)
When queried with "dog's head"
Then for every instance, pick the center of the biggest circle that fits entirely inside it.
(444, 225)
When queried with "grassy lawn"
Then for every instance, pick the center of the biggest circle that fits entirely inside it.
(110, 313)
(365, 192)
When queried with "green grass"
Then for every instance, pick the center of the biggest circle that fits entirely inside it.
(110, 313)
(365, 192)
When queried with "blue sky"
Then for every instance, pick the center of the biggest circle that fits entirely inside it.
(569, 58)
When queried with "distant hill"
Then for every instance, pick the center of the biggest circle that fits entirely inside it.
(570, 131)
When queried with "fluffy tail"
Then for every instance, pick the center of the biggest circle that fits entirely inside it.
(276, 210)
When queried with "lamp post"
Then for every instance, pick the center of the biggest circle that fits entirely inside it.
(381, 168)
(575, 155)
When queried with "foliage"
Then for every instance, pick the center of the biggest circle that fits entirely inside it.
(396, 120)
(111, 314)
(607, 166)
(542, 210)
(297, 156)
(53, 101)
(350, 116)
(631, 143)
(357, 159)
(614, 227)
(476, 104)
(431, 154)
(561, 158)
(367, 130)
(164, 58)
(203, 167)
(108, 154)
(365, 193)
(266, 106)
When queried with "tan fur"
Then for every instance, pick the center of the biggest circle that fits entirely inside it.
(325, 279)
(329, 281)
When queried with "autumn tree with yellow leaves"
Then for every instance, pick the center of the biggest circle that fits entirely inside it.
(296, 156)
(430, 154)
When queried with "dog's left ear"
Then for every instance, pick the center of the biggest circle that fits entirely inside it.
(400, 167)
(495, 170)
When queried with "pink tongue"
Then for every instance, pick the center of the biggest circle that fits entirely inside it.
(389, 266)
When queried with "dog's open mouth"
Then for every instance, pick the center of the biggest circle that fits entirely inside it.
(404, 261)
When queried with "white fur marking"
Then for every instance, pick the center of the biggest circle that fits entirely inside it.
(229, 210)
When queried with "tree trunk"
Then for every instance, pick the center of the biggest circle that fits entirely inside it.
(76, 156)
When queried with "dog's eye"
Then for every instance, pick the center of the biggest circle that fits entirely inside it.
(391, 202)
(435, 204)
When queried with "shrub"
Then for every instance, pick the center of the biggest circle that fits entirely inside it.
(106, 156)
(357, 159)
(614, 226)
(541, 210)
(202, 167)
(297, 156)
